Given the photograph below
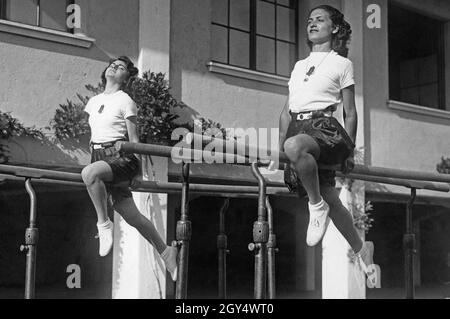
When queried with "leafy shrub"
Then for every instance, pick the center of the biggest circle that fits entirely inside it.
(9, 127)
(70, 120)
(156, 121)
(444, 166)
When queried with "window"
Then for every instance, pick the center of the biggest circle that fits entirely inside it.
(49, 14)
(416, 58)
(259, 35)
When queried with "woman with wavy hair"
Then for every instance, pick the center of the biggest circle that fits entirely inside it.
(310, 135)
(112, 118)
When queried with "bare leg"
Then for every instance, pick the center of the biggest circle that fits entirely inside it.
(302, 150)
(94, 175)
(341, 217)
(128, 210)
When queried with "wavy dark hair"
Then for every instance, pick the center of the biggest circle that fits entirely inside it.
(339, 41)
(132, 70)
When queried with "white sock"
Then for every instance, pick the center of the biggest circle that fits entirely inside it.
(317, 206)
(105, 225)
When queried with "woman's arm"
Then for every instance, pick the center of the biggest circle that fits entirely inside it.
(350, 115)
(132, 129)
(133, 136)
(351, 124)
(285, 120)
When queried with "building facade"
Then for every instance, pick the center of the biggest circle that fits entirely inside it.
(230, 61)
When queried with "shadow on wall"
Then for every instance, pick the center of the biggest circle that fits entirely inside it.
(99, 20)
(28, 151)
(93, 53)
(420, 118)
(186, 114)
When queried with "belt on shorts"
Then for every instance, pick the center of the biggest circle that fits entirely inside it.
(310, 115)
(97, 146)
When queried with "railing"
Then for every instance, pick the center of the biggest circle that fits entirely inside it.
(264, 245)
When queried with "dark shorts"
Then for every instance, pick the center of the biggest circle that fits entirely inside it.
(334, 143)
(124, 167)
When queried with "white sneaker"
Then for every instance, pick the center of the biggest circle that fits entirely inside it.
(318, 223)
(105, 236)
(170, 257)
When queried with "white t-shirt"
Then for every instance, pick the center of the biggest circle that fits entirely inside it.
(323, 88)
(107, 114)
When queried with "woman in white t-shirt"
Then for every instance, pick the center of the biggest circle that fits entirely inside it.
(309, 135)
(113, 117)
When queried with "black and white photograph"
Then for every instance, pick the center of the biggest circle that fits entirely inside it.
(224, 154)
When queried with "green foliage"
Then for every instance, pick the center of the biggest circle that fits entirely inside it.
(444, 166)
(156, 121)
(70, 120)
(9, 127)
(363, 219)
(208, 127)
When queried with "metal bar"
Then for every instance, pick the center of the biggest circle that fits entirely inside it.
(440, 187)
(222, 245)
(41, 176)
(281, 157)
(260, 237)
(182, 154)
(30, 246)
(228, 190)
(183, 233)
(36, 173)
(44, 181)
(163, 187)
(434, 186)
(409, 243)
(271, 249)
(254, 153)
(401, 174)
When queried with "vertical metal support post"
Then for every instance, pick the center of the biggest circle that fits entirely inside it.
(271, 250)
(409, 243)
(30, 246)
(222, 243)
(183, 234)
(260, 237)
